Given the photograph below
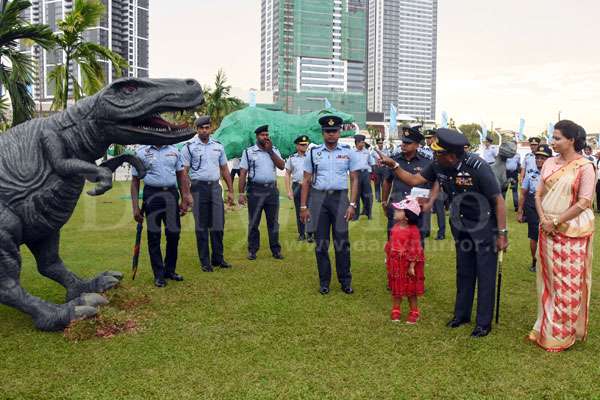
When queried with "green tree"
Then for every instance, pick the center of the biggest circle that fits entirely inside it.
(471, 132)
(218, 102)
(17, 69)
(79, 52)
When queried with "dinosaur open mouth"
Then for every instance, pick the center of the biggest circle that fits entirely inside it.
(159, 124)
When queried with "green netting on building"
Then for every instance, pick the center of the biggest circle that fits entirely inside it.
(237, 129)
(306, 31)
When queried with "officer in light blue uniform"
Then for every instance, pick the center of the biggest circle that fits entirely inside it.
(529, 165)
(258, 174)
(165, 173)
(206, 163)
(489, 152)
(378, 169)
(326, 170)
(294, 174)
(366, 162)
(513, 168)
(527, 211)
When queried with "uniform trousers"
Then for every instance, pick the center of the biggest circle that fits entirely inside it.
(365, 193)
(161, 208)
(209, 218)
(263, 197)
(476, 264)
(327, 210)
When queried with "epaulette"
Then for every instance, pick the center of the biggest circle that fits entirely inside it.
(346, 146)
(216, 141)
(473, 161)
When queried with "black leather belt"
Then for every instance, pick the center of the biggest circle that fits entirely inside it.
(330, 192)
(161, 188)
(262, 185)
(199, 182)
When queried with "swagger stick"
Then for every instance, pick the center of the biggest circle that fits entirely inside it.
(499, 289)
(136, 248)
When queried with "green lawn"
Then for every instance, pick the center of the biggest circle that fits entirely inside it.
(262, 331)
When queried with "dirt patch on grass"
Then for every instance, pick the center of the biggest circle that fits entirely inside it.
(124, 314)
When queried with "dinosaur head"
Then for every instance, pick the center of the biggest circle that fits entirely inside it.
(129, 110)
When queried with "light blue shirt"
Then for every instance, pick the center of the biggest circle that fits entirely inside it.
(161, 164)
(489, 154)
(531, 181)
(295, 164)
(426, 152)
(365, 159)
(204, 159)
(258, 163)
(512, 164)
(529, 164)
(332, 166)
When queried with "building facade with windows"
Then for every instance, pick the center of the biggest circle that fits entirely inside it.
(315, 50)
(402, 57)
(124, 29)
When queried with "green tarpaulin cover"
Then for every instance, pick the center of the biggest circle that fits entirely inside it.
(236, 132)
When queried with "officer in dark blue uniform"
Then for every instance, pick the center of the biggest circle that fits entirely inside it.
(206, 163)
(326, 170)
(165, 173)
(394, 190)
(438, 205)
(258, 187)
(294, 175)
(378, 169)
(477, 219)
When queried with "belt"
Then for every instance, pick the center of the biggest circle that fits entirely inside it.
(364, 170)
(161, 188)
(263, 185)
(297, 183)
(331, 191)
(199, 182)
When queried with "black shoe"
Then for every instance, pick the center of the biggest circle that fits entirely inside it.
(481, 331)
(310, 239)
(348, 290)
(533, 267)
(455, 323)
(175, 277)
(207, 268)
(222, 264)
(160, 283)
(301, 238)
(277, 256)
(251, 256)
(440, 236)
(324, 290)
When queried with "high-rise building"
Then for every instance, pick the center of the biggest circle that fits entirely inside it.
(315, 50)
(123, 29)
(402, 57)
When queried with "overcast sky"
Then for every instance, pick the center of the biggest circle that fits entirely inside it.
(497, 60)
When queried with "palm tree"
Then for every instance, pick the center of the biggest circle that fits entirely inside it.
(86, 55)
(17, 69)
(218, 102)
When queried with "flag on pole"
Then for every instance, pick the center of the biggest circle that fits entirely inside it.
(444, 119)
(393, 119)
(481, 137)
(327, 104)
(522, 129)
(252, 98)
(550, 132)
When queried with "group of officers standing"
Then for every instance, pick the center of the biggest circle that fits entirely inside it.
(317, 180)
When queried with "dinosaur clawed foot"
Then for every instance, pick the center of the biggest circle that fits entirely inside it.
(100, 284)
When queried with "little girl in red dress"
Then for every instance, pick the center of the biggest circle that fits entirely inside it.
(405, 259)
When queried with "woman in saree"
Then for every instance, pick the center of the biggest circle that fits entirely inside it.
(564, 204)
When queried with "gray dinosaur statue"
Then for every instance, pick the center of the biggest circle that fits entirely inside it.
(44, 164)
(507, 150)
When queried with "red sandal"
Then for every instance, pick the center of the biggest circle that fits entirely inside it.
(413, 317)
(396, 314)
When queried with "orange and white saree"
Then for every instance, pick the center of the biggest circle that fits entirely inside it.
(565, 277)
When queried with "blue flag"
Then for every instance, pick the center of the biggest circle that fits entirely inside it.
(252, 98)
(550, 132)
(444, 119)
(522, 129)
(327, 104)
(393, 119)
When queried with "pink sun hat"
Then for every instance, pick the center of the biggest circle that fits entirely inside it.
(409, 203)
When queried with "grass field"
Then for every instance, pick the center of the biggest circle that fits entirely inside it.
(262, 331)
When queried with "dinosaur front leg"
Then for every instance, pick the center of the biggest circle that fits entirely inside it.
(54, 151)
(46, 316)
(51, 266)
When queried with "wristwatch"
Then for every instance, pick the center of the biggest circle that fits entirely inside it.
(555, 222)
(396, 166)
(353, 205)
(303, 207)
(503, 232)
